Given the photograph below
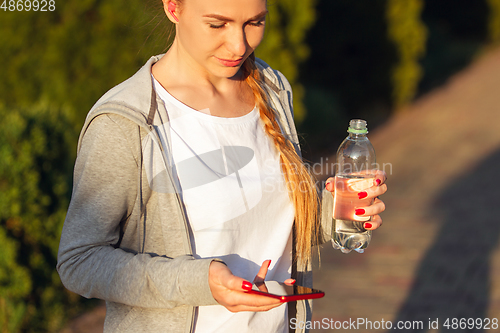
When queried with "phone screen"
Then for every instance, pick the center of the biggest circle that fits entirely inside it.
(284, 292)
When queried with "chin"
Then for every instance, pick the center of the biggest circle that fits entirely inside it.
(227, 72)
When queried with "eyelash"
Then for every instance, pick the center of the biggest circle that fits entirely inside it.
(257, 24)
(213, 26)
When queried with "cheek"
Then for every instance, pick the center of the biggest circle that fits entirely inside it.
(195, 38)
(254, 37)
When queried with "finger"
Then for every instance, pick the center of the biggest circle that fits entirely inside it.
(236, 283)
(375, 222)
(289, 282)
(220, 276)
(261, 275)
(372, 192)
(262, 287)
(230, 291)
(242, 301)
(376, 208)
(239, 308)
(380, 177)
(330, 184)
(239, 284)
(252, 299)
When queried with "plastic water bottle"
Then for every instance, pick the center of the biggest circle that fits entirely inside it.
(354, 174)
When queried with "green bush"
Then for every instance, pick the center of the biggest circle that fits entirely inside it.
(37, 149)
(72, 55)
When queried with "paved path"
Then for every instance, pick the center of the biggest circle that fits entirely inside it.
(437, 255)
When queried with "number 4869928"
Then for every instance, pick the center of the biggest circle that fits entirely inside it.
(28, 5)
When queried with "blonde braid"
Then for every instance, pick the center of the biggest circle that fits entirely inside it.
(300, 184)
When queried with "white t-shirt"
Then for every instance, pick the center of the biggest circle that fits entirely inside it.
(237, 204)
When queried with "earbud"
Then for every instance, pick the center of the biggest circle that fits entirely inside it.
(171, 9)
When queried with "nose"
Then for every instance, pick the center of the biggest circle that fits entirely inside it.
(237, 42)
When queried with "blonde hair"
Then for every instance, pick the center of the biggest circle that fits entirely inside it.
(300, 184)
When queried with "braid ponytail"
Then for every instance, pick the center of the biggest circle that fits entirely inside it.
(300, 185)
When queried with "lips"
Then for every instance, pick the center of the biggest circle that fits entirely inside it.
(229, 62)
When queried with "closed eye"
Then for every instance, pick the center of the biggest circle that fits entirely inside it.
(217, 26)
(258, 23)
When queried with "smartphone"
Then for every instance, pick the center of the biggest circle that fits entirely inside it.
(285, 292)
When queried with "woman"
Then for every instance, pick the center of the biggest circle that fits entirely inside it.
(189, 185)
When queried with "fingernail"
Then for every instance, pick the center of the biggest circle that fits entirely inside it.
(246, 285)
(293, 281)
(367, 225)
(378, 181)
(269, 264)
(362, 195)
(359, 211)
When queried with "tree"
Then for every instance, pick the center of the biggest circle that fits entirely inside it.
(409, 34)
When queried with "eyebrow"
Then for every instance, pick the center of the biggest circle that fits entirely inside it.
(227, 19)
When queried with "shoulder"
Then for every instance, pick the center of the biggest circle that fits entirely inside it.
(273, 76)
(133, 93)
(112, 134)
(132, 99)
(282, 99)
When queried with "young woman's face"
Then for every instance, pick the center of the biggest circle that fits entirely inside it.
(218, 35)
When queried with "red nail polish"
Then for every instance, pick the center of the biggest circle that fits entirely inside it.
(359, 211)
(269, 264)
(328, 183)
(362, 195)
(378, 181)
(293, 282)
(367, 225)
(246, 285)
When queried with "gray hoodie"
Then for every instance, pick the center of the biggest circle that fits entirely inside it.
(126, 238)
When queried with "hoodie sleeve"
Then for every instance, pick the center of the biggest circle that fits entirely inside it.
(104, 195)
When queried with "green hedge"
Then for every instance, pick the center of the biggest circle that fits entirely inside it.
(36, 161)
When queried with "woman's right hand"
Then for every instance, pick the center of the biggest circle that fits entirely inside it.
(229, 290)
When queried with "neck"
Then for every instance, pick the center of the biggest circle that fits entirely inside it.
(178, 68)
(183, 78)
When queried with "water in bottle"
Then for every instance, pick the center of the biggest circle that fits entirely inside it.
(354, 174)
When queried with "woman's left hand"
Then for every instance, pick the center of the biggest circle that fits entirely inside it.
(379, 187)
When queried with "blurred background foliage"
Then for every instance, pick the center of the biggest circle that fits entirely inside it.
(36, 163)
(344, 58)
(408, 34)
(494, 21)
